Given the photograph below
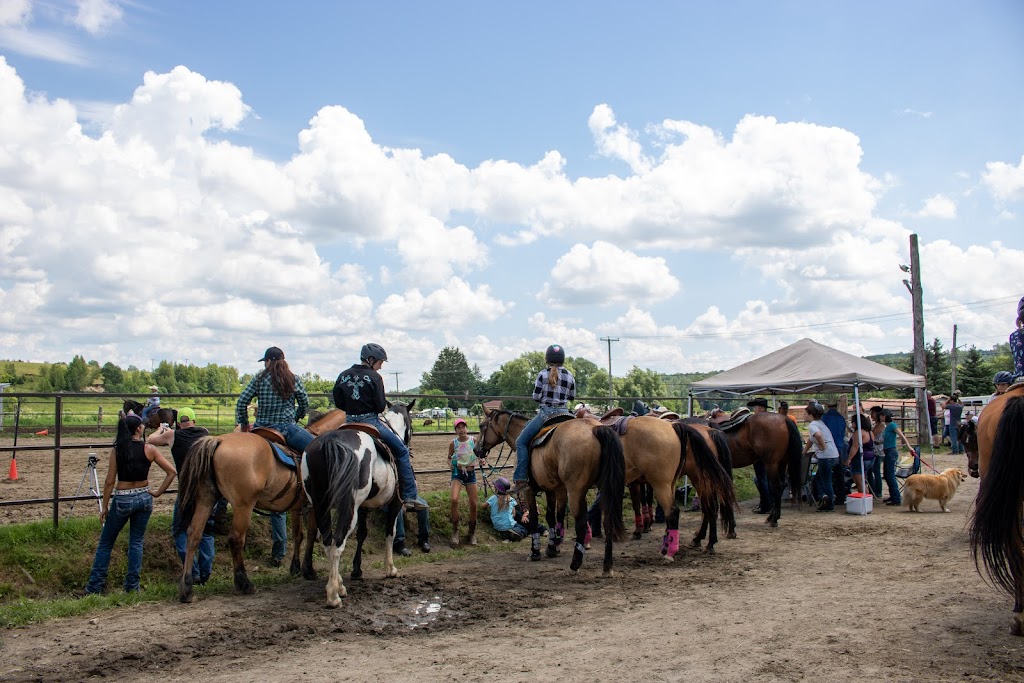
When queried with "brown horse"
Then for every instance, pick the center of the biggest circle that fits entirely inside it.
(659, 452)
(153, 420)
(967, 435)
(577, 455)
(995, 527)
(241, 467)
(774, 440)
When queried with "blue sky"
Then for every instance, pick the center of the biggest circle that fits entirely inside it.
(705, 181)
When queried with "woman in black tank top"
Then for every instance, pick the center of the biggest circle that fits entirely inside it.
(128, 469)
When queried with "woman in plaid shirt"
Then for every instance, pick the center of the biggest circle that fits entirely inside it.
(554, 388)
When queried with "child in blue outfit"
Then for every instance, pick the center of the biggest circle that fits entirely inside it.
(505, 517)
(462, 454)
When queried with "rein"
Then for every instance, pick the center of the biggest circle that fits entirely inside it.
(498, 462)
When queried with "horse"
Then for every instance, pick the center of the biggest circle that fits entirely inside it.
(153, 420)
(967, 435)
(578, 454)
(345, 473)
(995, 526)
(241, 467)
(656, 452)
(772, 439)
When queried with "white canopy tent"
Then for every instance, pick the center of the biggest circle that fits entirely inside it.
(807, 366)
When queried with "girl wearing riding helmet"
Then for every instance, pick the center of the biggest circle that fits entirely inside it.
(1017, 343)
(1002, 380)
(554, 388)
(463, 458)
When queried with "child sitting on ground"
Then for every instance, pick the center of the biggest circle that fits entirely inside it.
(506, 518)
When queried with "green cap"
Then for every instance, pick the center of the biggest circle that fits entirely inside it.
(186, 413)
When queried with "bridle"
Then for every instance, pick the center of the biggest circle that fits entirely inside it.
(488, 426)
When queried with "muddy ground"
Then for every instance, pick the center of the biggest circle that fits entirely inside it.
(892, 596)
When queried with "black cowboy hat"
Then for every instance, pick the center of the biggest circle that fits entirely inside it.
(763, 402)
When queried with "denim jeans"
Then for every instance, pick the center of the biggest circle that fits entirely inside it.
(875, 476)
(529, 433)
(294, 434)
(823, 477)
(202, 562)
(954, 441)
(133, 509)
(761, 482)
(278, 535)
(891, 456)
(422, 521)
(406, 477)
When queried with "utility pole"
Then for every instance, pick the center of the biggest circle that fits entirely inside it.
(396, 374)
(923, 426)
(610, 340)
(952, 361)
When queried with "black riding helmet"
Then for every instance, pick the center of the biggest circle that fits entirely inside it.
(1003, 377)
(374, 351)
(555, 354)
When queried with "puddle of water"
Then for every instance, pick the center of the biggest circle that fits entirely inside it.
(425, 611)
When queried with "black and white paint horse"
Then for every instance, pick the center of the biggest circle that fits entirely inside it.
(345, 474)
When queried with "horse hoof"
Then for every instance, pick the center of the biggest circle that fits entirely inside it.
(731, 534)
(186, 598)
(773, 523)
(552, 551)
(667, 559)
(637, 535)
(334, 604)
(711, 551)
(391, 573)
(309, 575)
(607, 574)
(695, 544)
(534, 556)
(356, 576)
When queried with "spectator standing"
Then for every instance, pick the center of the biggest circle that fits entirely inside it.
(837, 426)
(890, 434)
(760, 405)
(956, 410)
(820, 443)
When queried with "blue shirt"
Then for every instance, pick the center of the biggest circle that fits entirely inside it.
(889, 435)
(836, 425)
(502, 519)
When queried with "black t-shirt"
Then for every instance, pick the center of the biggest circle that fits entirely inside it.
(183, 440)
(360, 390)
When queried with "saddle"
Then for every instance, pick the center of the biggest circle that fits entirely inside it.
(738, 417)
(284, 453)
(382, 448)
(608, 418)
(552, 421)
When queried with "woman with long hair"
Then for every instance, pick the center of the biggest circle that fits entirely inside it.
(127, 483)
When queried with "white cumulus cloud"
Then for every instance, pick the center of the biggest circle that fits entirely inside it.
(605, 274)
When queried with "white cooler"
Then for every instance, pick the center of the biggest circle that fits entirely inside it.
(859, 503)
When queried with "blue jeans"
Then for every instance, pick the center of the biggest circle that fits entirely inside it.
(202, 562)
(297, 438)
(406, 477)
(891, 456)
(823, 477)
(529, 433)
(422, 521)
(135, 509)
(954, 441)
(761, 482)
(875, 476)
(294, 434)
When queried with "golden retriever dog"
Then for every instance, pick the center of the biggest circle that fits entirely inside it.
(940, 487)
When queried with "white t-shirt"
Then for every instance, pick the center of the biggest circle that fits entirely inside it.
(830, 451)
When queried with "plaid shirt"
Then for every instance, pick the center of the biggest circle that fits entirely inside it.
(272, 409)
(558, 395)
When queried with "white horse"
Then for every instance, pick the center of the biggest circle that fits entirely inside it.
(344, 475)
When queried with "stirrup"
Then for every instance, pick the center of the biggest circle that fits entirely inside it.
(518, 487)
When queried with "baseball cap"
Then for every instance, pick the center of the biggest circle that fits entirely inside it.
(273, 353)
(186, 414)
(460, 421)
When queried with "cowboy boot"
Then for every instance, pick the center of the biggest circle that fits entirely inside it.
(472, 532)
(454, 540)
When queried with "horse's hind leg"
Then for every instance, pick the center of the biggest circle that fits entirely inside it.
(638, 518)
(393, 510)
(357, 559)
(710, 512)
(579, 514)
(297, 537)
(308, 572)
(335, 587)
(236, 542)
(556, 533)
(195, 534)
(775, 485)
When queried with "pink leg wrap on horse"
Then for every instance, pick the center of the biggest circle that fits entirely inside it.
(648, 517)
(639, 521)
(590, 534)
(670, 546)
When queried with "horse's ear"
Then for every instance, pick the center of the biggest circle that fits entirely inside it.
(411, 405)
(488, 410)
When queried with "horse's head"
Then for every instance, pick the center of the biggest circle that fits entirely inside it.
(967, 433)
(493, 430)
(397, 417)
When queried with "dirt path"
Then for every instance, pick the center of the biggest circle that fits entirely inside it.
(889, 597)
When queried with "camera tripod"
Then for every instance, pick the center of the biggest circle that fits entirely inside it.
(94, 488)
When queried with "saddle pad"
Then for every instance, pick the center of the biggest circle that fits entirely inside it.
(286, 460)
(550, 423)
(734, 422)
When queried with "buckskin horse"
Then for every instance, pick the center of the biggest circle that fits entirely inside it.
(772, 439)
(659, 452)
(243, 468)
(346, 472)
(576, 455)
(995, 527)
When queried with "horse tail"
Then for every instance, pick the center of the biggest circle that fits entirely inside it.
(794, 456)
(611, 481)
(196, 475)
(333, 479)
(715, 483)
(995, 528)
(725, 459)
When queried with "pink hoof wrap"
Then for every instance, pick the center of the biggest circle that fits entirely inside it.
(671, 544)
(639, 521)
(648, 517)
(589, 536)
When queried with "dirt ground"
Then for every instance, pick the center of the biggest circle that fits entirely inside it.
(891, 596)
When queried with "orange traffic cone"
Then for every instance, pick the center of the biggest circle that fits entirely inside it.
(43, 432)
(12, 474)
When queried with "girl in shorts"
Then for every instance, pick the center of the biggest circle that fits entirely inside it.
(464, 463)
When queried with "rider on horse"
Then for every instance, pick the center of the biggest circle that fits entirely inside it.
(152, 403)
(359, 391)
(554, 388)
(281, 398)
